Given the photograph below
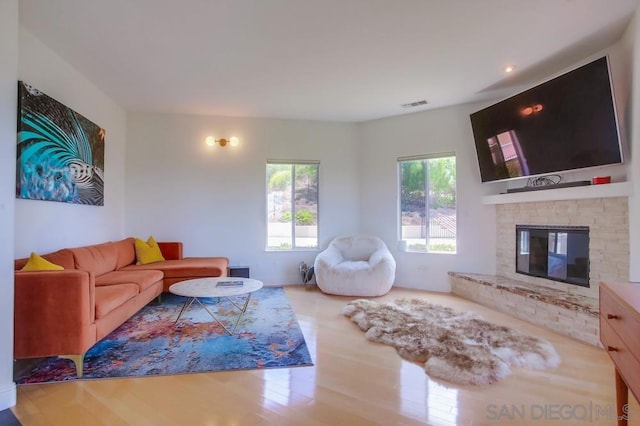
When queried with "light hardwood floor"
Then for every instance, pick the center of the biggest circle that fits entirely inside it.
(353, 382)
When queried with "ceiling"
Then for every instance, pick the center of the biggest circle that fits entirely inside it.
(336, 60)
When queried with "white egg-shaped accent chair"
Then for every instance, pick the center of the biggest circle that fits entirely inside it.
(359, 265)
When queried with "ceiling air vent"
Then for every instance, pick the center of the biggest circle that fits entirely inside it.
(414, 104)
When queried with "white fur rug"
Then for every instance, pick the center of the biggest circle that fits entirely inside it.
(458, 347)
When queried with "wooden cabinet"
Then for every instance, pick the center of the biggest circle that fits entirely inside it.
(620, 335)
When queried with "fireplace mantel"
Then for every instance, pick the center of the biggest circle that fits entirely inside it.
(619, 189)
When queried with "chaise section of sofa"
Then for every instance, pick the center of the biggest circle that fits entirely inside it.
(64, 313)
(177, 268)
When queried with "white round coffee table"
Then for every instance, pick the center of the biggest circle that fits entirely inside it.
(216, 287)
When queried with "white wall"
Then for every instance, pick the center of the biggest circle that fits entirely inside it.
(8, 93)
(213, 199)
(44, 226)
(431, 132)
(634, 199)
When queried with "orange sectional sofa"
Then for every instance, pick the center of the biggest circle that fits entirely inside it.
(63, 313)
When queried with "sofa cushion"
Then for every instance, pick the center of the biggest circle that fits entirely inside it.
(62, 257)
(147, 252)
(187, 267)
(125, 252)
(143, 279)
(38, 263)
(171, 250)
(98, 258)
(110, 297)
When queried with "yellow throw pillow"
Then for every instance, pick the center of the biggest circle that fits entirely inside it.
(147, 252)
(38, 263)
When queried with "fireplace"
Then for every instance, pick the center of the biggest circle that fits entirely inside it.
(564, 307)
(558, 253)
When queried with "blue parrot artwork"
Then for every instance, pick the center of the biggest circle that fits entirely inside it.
(60, 155)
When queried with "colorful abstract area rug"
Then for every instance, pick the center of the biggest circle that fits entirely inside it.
(152, 343)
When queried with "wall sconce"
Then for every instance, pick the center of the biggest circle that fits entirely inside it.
(233, 141)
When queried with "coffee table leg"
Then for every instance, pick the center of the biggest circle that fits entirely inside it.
(213, 315)
(242, 311)
(186, 305)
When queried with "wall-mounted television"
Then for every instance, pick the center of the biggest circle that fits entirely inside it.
(566, 123)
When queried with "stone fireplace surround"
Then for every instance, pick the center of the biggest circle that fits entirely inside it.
(565, 308)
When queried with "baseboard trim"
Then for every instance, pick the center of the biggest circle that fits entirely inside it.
(8, 395)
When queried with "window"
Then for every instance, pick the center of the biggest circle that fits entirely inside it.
(507, 154)
(292, 205)
(524, 242)
(428, 203)
(558, 242)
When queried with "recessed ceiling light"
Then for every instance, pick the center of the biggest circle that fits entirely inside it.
(509, 68)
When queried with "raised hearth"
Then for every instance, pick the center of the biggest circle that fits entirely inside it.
(567, 313)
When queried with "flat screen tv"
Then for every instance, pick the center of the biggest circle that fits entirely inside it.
(566, 123)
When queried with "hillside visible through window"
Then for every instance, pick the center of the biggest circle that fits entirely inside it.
(428, 219)
(292, 206)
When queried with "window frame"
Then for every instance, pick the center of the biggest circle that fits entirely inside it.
(293, 247)
(424, 157)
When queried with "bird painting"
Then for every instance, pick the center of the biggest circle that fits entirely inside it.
(60, 155)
